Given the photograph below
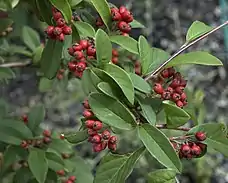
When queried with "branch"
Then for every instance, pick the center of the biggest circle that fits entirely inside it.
(182, 49)
(164, 126)
(17, 64)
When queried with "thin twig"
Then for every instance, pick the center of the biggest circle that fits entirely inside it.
(164, 126)
(182, 49)
(17, 64)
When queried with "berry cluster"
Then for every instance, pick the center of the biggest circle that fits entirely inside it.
(70, 179)
(61, 29)
(6, 31)
(82, 51)
(115, 55)
(121, 18)
(170, 85)
(99, 139)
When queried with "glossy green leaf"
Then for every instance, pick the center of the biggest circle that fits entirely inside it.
(107, 89)
(30, 37)
(147, 110)
(104, 11)
(38, 164)
(64, 7)
(84, 29)
(74, 3)
(116, 168)
(220, 144)
(122, 79)
(5, 23)
(22, 175)
(127, 43)
(37, 54)
(77, 137)
(159, 146)
(196, 57)
(4, 108)
(51, 58)
(162, 176)
(103, 47)
(196, 30)
(175, 116)
(75, 35)
(45, 84)
(6, 73)
(60, 146)
(55, 161)
(135, 24)
(35, 117)
(111, 112)
(140, 84)
(44, 9)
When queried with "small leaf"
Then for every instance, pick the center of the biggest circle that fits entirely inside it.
(162, 176)
(140, 84)
(197, 57)
(37, 54)
(74, 3)
(35, 117)
(38, 164)
(111, 111)
(147, 110)
(6, 73)
(104, 11)
(121, 167)
(107, 89)
(159, 147)
(77, 137)
(22, 175)
(125, 42)
(103, 47)
(51, 58)
(122, 79)
(196, 30)
(45, 84)
(30, 37)
(55, 161)
(64, 7)
(175, 116)
(84, 29)
(135, 24)
(60, 146)
(44, 9)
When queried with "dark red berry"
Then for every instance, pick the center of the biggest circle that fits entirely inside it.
(91, 132)
(25, 118)
(81, 66)
(127, 16)
(122, 9)
(57, 15)
(47, 133)
(57, 31)
(72, 66)
(202, 146)
(177, 75)
(96, 139)
(49, 30)
(61, 37)
(47, 140)
(179, 103)
(104, 144)
(106, 134)
(97, 125)
(112, 146)
(78, 55)
(78, 74)
(179, 89)
(67, 30)
(183, 96)
(115, 53)
(189, 156)
(165, 73)
(166, 95)
(89, 123)
(71, 51)
(185, 149)
(176, 97)
(170, 90)
(99, 22)
(114, 60)
(97, 147)
(158, 88)
(61, 172)
(175, 83)
(91, 51)
(185, 102)
(195, 150)
(59, 76)
(24, 144)
(60, 22)
(113, 140)
(72, 178)
(86, 104)
(171, 71)
(87, 113)
(124, 27)
(200, 136)
(77, 47)
(116, 16)
(62, 136)
(84, 43)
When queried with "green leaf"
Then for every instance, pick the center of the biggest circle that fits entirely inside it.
(84, 29)
(55, 161)
(104, 11)
(220, 144)
(37, 54)
(140, 84)
(196, 30)
(38, 164)
(60, 146)
(5, 23)
(125, 42)
(45, 84)
(64, 7)
(30, 37)
(162, 176)
(159, 147)
(77, 137)
(6, 73)
(196, 57)
(74, 3)
(4, 108)
(116, 168)
(107, 89)
(22, 175)
(103, 47)
(122, 79)
(75, 35)
(135, 24)
(147, 110)
(44, 9)
(111, 112)
(175, 116)
(51, 64)
(35, 117)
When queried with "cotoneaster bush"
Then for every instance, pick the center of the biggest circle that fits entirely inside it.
(127, 84)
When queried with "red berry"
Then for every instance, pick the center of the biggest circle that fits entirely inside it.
(166, 95)
(115, 53)
(59, 76)
(61, 172)
(189, 156)
(113, 140)
(61, 37)
(116, 16)
(78, 55)
(179, 104)
(171, 71)
(202, 146)
(124, 34)
(46, 133)
(170, 90)
(78, 74)
(96, 139)
(104, 144)
(138, 71)
(89, 123)
(122, 9)
(185, 149)
(195, 150)
(158, 88)
(81, 66)
(25, 118)
(124, 27)
(175, 83)
(72, 178)
(86, 104)
(183, 96)
(106, 134)
(165, 73)
(112, 147)
(176, 97)
(72, 66)
(84, 43)
(185, 102)
(57, 31)
(87, 113)
(91, 132)
(57, 15)
(114, 60)
(97, 125)
(77, 47)
(62, 136)
(200, 136)
(97, 147)
(71, 51)
(54, 10)
(137, 64)
(183, 82)
(179, 89)
(67, 30)
(60, 22)
(177, 75)
(69, 181)
(46, 140)
(24, 144)
(49, 30)
(99, 22)
(127, 16)
(91, 51)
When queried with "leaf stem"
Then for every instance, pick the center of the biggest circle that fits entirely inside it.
(183, 48)
(16, 64)
(164, 126)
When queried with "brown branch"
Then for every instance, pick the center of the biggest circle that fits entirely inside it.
(164, 126)
(182, 49)
(17, 64)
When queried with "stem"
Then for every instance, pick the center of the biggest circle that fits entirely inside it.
(164, 126)
(180, 138)
(183, 48)
(16, 64)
